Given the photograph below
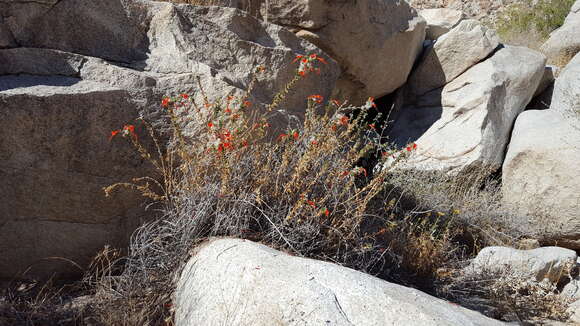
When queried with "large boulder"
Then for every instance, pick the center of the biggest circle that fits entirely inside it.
(540, 172)
(552, 263)
(564, 42)
(61, 97)
(375, 42)
(239, 282)
(55, 158)
(540, 175)
(451, 55)
(440, 21)
(566, 96)
(468, 122)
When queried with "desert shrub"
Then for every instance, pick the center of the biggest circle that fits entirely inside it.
(530, 22)
(327, 187)
(507, 295)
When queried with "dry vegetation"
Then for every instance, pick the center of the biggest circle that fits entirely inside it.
(321, 188)
(530, 22)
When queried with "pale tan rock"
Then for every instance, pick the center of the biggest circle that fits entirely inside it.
(540, 175)
(239, 282)
(440, 21)
(451, 55)
(467, 123)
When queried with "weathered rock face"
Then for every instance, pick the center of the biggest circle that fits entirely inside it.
(440, 21)
(452, 54)
(60, 100)
(54, 160)
(538, 264)
(375, 42)
(468, 122)
(565, 41)
(566, 97)
(540, 174)
(239, 282)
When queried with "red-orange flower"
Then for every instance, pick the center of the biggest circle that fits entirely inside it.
(247, 104)
(210, 125)
(184, 96)
(282, 136)
(311, 203)
(316, 98)
(165, 102)
(344, 120)
(296, 135)
(372, 126)
(113, 134)
(326, 212)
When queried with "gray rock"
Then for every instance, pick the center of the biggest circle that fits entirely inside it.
(375, 42)
(574, 311)
(440, 21)
(108, 29)
(55, 158)
(468, 122)
(564, 42)
(550, 263)
(237, 282)
(566, 97)
(453, 53)
(6, 39)
(59, 107)
(540, 175)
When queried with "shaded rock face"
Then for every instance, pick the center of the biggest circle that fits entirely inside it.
(375, 42)
(239, 282)
(467, 123)
(564, 42)
(61, 94)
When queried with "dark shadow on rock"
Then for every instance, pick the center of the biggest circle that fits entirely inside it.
(412, 117)
(9, 82)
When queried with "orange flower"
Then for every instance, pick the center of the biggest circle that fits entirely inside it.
(336, 102)
(247, 104)
(296, 135)
(282, 136)
(128, 130)
(372, 126)
(298, 57)
(165, 102)
(113, 134)
(316, 98)
(344, 120)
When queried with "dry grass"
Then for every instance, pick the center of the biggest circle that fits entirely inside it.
(507, 295)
